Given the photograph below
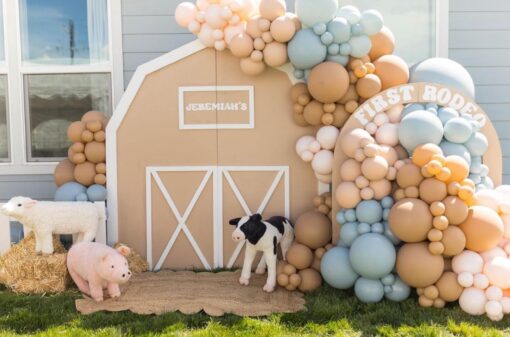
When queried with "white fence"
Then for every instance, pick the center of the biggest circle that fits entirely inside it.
(5, 231)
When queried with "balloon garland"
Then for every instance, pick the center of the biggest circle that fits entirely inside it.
(418, 208)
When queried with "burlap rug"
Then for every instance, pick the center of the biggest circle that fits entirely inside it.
(215, 293)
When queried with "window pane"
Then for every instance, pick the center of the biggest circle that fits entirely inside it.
(53, 102)
(2, 41)
(413, 22)
(64, 32)
(4, 125)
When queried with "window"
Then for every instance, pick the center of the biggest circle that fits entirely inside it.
(4, 126)
(413, 22)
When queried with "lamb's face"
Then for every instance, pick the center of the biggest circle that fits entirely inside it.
(17, 206)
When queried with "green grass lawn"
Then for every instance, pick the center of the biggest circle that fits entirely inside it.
(330, 313)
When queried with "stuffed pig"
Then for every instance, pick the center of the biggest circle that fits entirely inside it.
(94, 266)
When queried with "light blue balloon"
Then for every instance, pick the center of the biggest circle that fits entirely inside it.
(299, 74)
(387, 202)
(69, 191)
(319, 28)
(372, 21)
(487, 181)
(378, 228)
(476, 165)
(336, 268)
(369, 211)
(349, 233)
(372, 255)
(96, 193)
(360, 45)
(476, 178)
(345, 49)
(351, 13)
(399, 291)
(412, 107)
(350, 215)
(82, 197)
(306, 49)
(443, 71)
(452, 149)
(484, 171)
(420, 127)
(458, 130)
(477, 145)
(389, 234)
(313, 12)
(356, 29)
(386, 214)
(327, 38)
(388, 280)
(334, 49)
(340, 218)
(341, 29)
(364, 228)
(340, 59)
(369, 291)
(445, 114)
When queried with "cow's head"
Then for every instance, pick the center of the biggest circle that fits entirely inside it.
(246, 226)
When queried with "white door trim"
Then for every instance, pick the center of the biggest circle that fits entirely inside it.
(217, 174)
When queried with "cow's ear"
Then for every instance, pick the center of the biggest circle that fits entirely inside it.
(256, 217)
(234, 222)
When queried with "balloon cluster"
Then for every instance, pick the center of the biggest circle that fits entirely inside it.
(323, 203)
(82, 176)
(318, 151)
(215, 22)
(301, 270)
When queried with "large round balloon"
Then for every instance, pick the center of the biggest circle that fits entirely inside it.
(368, 290)
(392, 70)
(313, 229)
(306, 49)
(383, 43)
(64, 172)
(416, 265)
(69, 191)
(328, 82)
(318, 11)
(372, 255)
(410, 220)
(336, 268)
(483, 229)
(420, 127)
(443, 71)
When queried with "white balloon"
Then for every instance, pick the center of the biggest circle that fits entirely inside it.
(494, 293)
(467, 261)
(472, 301)
(480, 281)
(327, 137)
(465, 279)
(322, 162)
(303, 144)
(494, 310)
(351, 13)
(372, 21)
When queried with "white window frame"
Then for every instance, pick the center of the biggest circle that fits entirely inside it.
(442, 27)
(17, 116)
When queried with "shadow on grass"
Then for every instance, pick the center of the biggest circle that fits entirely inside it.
(328, 311)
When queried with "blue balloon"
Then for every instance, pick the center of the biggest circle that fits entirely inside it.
(349, 233)
(311, 13)
(350, 215)
(389, 234)
(345, 49)
(306, 49)
(341, 30)
(378, 228)
(477, 145)
(334, 49)
(364, 228)
(368, 290)
(399, 291)
(372, 256)
(96, 193)
(360, 45)
(82, 197)
(351, 13)
(420, 127)
(458, 130)
(452, 149)
(369, 211)
(340, 218)
(387, 202)
(336, 268)
(445, 114)
(372, 21)
(69, 191)
(340, 59)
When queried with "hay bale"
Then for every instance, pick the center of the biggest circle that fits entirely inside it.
(137, 264)
(23, 271)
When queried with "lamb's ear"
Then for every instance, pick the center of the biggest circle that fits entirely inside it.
(124, 250)
(30, 203)
(256, 217)
(234, 222)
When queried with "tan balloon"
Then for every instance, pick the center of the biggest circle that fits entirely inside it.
(295, 280)
(483, 229)
(92, 116)
(95, 152)
(454, 241)
(87, 136)
(328, 82)
(100, 136)
(381, 188)
(456, 210)
(432, 190)
(79, 158)
(449, 289)
(340, 116)
(275, 54)
(410, 220)
(297, 90)
(459, 168)
(417, 267)
(409, 175)
(75, 130)
(241, 45)
(252, 28)
(347, 194)
(350, 170)
(85, 173)
(313, 229)
(313, 113)
(101, 168)
(392, 70)
(368, 86)
(64, 172)
(100, 179)
(78, 147)
(351, 141)
(374, 168)
(300, 256)
(424, 153)
(271, 9)
(252, 68)
(383, 43)
(310, 280)
(94, 126)
(283, 29)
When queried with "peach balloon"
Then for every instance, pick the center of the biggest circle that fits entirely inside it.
(374, 168)
(409, 175)
(75, 130)
(100, 136)
(483, 229)
(328, 82)
(95, 152)
(78, 147)
(352, 140)
(241, 45)
(275, 54)
(368, 86)
(232, 30)
(249, 67)
(456, 210)
(350, 170)
(424, 153)
(94, 126)
(448, 287)
(417, 267)
(185, 13)
(252, 28)
(454, 241)
(387, 134)
(93, 116)
(410, 220)
(347, 194)
(100, 179)
(84, 173)
(283, 29)
(101, 168)
(432, 190)
(498, 272)
(381, 188)
(272, 9)
(459, 168)
(392, 70)
(383, 43)
(64, 172)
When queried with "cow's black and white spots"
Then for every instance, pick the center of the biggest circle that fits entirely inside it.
(262, 235)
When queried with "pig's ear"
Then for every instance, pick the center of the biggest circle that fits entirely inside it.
(30, 203)
(124, 250)
(234, 222)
